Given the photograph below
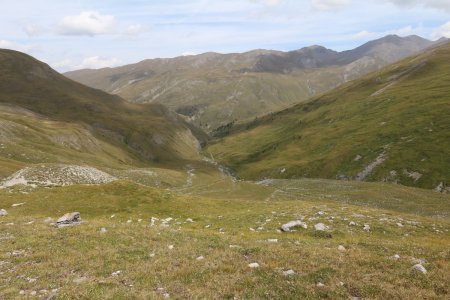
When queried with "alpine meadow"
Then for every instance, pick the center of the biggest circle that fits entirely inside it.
(254, 149)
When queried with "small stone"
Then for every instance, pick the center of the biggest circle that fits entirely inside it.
(208, 226)
(112, 216)
(200, 258)
(418, 260)
(170, 247)
(69, 219)
(189, 220)
(321, 213)
(81, 279)
(3, 212)
(103, 230)
(320, 227)
(129, 221)
(152, 255)
(252, 229)
(395, 257)
(420, 268)
(352, 223)
(289, 272)
(341, 248)
(16, 253)
(166, 295)
(320, 284)
(340, 283)
(17, 204)
(253, 265)
(399, 224)
(366, 227)
(272, 241)
(139, 220)
(116, 273)
(33, 293)
(21, 292)
(292, 224)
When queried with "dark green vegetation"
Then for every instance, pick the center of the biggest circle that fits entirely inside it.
(215, 89)
(143, 132)
(392, 125)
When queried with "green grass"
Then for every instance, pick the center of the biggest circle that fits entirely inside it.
(149, 132)
(408, 120)
(55, 257)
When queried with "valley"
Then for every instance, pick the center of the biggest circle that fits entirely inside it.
(213, 90)
(322, 193)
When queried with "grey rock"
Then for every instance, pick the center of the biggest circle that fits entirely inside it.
(320, 227)
(3, 212)
(289, 272)
(341, 248)
(292, 224)
(420, 268)
(69, 219)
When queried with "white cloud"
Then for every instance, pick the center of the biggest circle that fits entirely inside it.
(188, 53)
(404, 31)
(438, 4)
(330, 5)
(16, 46)
(91, 62)
(135, 30)
(269, 2)
(33, 30)
(87, 23)
(442, 31)
(98, 62)
(360, 35)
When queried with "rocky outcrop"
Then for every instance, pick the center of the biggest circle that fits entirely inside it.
(69, 219)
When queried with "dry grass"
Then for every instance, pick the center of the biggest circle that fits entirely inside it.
(57, 257)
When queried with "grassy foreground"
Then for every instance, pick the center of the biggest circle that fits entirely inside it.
(232, 225)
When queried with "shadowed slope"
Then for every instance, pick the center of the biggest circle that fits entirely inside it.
(150, 132)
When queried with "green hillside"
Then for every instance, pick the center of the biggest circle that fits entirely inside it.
(213, 90)
(392, 125)
(141, 133)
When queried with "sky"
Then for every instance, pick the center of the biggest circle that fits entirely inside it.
(76, 34)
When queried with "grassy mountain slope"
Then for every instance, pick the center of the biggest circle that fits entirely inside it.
(28, 138)
(161, 260)
(391, 125)
(214, 89)
(138, 132)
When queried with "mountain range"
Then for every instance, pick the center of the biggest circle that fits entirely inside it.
(391, 125)
(213, 90)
